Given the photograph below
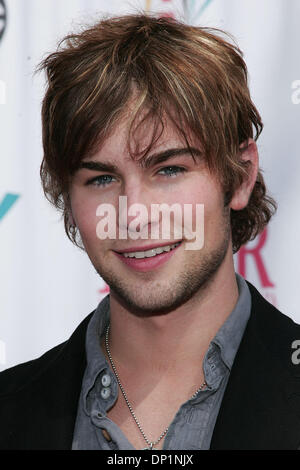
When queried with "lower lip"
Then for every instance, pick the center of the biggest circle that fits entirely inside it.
(147, 264)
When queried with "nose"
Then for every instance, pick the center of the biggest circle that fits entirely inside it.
(134, 214)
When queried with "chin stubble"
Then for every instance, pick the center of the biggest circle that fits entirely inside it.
(161, 298)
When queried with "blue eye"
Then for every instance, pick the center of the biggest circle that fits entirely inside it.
(102, 180)
(172, 170)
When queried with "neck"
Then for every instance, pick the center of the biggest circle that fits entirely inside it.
(167, 342)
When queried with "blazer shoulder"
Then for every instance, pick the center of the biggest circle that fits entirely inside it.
(269, 313)
(16, 378)
(261, 405)
(275, 331)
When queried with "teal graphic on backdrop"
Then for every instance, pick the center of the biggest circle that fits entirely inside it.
(3, 18)
(193, 9)
(6, 204)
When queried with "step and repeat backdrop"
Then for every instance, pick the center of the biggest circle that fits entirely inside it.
(47, 286)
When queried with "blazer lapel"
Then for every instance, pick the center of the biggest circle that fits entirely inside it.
(43, 414)
(261, 404)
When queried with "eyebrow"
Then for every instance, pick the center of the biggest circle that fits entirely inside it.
(161, 157)
(147, 162)
(98, 166)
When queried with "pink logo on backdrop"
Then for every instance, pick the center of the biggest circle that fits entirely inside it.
(254, 255)
(104, 289)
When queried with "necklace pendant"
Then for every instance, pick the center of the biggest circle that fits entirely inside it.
(148, 448)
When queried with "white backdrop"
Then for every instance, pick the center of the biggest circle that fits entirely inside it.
(47, 286)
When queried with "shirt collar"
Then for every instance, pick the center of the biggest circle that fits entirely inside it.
(230, 334)
(96, 361)
(227, 338)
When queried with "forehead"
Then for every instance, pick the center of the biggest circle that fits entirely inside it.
(139, 138)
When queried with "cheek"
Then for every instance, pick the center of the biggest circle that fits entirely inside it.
(211, 197)
(84, 213)
(217, 224)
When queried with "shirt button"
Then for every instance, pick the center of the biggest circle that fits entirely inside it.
(106, 380)
(105, 393)
(106, 435)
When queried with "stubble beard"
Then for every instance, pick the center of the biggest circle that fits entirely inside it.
(153, 297)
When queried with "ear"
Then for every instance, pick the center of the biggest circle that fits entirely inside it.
(242, 194)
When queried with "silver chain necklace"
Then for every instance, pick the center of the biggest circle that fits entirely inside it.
(150, 444)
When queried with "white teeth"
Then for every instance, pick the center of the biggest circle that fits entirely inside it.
(150, 253)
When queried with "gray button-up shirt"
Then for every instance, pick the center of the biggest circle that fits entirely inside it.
(193, 424)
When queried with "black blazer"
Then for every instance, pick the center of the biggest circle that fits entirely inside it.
(260, 408)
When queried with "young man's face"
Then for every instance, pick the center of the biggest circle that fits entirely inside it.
(165, 281)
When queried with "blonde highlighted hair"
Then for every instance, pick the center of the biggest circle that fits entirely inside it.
(191, 74)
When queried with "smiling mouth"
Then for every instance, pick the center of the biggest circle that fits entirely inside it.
(150, 253)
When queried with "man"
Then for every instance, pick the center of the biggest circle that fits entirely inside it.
(183, 353)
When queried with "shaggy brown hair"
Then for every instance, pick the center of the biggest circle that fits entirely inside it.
(191, 74)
